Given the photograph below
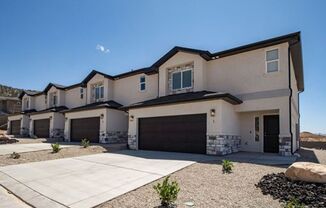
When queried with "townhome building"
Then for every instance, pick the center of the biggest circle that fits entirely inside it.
(241, 99)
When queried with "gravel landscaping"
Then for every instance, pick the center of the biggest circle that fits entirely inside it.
(205, 185)
(48, 155)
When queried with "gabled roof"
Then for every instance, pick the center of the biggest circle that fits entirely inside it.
(58, 86)
(186, 97)
(29, 93)
(106, 104)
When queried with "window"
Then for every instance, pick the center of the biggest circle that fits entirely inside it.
(257, 129)
(81, 93)
(182, 79)
(26, 101)
(272, 61)
(98, 92)
(142, 83)
(54, 99)
(45, 99)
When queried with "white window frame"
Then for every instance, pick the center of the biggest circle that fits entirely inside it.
(181, 71)
(140, 83)
(53, 99)
(98, 85)
(278, 60)
(26, 100)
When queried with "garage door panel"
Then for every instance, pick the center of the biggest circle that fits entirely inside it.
(85, 128)
(42, 128)
(186, 133)
(15, 127)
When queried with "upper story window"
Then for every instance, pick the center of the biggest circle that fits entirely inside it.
(142, 83)
(272, 60)
(98, 92)
(45, 99)
(182, 78)
(81, 93)
(26, 103)
(54, 99)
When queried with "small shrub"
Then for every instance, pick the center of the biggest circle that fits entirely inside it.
(227, 166)
(55, 147)
(168, 192)
(15, 155)
(293, 203)
(85, 143)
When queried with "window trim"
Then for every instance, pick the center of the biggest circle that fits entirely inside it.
(81, 91)
(181, 71)
(140, 83)
(94, 86)
(278, 60)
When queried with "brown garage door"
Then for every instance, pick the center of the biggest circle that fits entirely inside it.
(42, 128)
(88, 128)
(185, 133)
(15, 127)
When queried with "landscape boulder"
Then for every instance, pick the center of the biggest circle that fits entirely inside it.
(307, 171)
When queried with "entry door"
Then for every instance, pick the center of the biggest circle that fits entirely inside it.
(271, 133)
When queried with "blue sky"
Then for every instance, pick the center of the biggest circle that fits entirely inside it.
(61, 41)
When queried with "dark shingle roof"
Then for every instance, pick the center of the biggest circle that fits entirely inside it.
(97, 105)
(186, 97)
(50, 110)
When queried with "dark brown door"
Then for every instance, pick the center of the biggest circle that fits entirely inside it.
(271, 133)
(186, 133)
(15, 127)
(85, 128)
(42, 128)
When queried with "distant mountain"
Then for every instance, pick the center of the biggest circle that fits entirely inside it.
(308, 136)
(7, 91)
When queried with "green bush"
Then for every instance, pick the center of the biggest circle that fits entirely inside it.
(55, 147)
(168, 192)
(227, 166)
(293, 203)
(85, 143)
(15, 155)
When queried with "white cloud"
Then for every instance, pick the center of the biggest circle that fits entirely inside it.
(102, 48)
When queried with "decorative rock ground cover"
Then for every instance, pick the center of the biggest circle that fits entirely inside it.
(280, 187)
(7, 140)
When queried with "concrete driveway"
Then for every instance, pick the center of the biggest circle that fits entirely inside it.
(10, 148)
(90, 180)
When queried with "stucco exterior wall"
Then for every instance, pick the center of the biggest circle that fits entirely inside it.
(246, 72)
(39, 102)
(72, 97)
(127, 91)
(117, 120)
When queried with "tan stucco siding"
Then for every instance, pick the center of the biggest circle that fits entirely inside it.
(246, 72)
(39, 102)
(181, 58)
(72, 97)
(117, 120)
(127, 90)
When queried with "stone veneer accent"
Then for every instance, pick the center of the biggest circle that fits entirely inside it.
(285, 146)
(113, 137)
(222, 144)
(24, 131)
(132, 142)
(56, 133)
(175, 69)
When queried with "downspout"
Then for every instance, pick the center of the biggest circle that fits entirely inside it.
(290, 97)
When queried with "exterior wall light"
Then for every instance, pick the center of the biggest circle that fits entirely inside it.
(66, 119)
(131, 118)
(50, 117)
(102, 116)
(212, 112)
